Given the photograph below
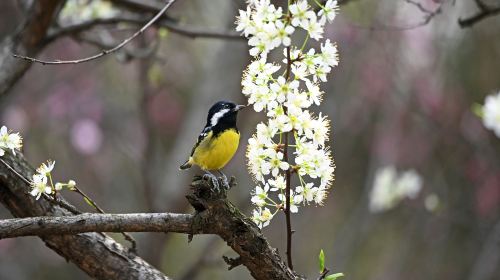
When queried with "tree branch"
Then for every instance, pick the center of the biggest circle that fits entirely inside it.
(103, 258)
(93, 222)
(27, 40)
(103, 52)
(125, 54)
(142, 6)
(173, 27)
(484, 12)
(96, 254)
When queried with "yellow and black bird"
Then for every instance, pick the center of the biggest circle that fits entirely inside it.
(218, 141)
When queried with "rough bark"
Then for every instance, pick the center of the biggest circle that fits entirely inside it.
(28, 40)
(215, 214)
(90, 222)
(96, 254)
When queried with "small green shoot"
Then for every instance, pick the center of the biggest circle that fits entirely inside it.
(321, 259)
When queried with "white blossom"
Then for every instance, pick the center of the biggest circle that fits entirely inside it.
(314, 28)
(285, 92)
(71, 184)
(46, 168)
(244, 21)
(39, 185)
(260, 195)
(431, 202)
(278, 184)
(314, 92)
(491, 113)
(329, 54)
(262, 217)
(283, 33)
(390, 188)
(276, 162)
(9, 141)
(294, 200)
(329, 11)
(301, 13)
(41, 181)
(306, 193)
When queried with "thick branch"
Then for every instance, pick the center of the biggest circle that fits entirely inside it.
(90, 222)
(96, 254)
(215, 215)
(28, 41)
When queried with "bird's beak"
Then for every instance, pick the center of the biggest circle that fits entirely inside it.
(239, 107)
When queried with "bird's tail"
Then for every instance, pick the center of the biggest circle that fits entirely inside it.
(186, 165)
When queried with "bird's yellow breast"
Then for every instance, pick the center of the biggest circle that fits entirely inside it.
(213, 153)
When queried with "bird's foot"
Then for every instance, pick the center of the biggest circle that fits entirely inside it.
(224, 181)
(212, 179)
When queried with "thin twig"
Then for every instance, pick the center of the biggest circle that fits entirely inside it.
(323, 274)
(419, 6)
(485, 11)
(60, 202)
(103, 52)
(15, 172)
(188, 31)
(138, 53)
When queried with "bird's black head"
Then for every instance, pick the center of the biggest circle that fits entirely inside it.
(223, 114)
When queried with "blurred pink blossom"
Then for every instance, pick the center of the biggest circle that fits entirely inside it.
(86, 136)
(15, 118)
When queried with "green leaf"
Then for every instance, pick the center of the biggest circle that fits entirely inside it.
(321, 259)
(88, 201)
(334, 276)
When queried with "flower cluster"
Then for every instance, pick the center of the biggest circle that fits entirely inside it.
(285, 90)
(9, 141)
(491, 113)
(390, 188)
(42, 181)
(269, 27)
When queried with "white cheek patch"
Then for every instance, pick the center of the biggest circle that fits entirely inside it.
(215, 118)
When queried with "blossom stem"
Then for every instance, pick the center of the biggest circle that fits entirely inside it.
(302, 183)
(319, 4)
(273, 202)
(52, 184)
(127, 236)
(305, 42)
(287, 192)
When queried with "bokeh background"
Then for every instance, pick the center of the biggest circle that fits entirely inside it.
(401, 96)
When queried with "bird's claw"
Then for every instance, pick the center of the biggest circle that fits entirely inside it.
(212, 179)
(225, 182)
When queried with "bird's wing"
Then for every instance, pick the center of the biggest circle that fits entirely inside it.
(204, 133)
